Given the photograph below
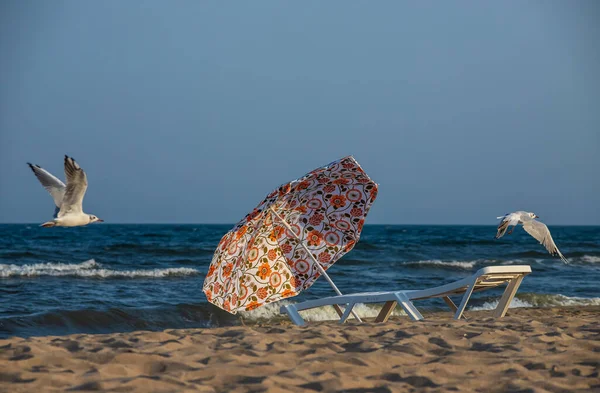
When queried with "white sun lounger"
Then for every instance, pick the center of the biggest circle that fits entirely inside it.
(485, 278)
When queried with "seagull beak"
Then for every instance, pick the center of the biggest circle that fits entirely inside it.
(536, 216)
(99, 220)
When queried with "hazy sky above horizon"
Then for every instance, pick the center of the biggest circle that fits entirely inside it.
(191, 111)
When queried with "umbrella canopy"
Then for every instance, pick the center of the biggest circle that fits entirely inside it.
(272, 253)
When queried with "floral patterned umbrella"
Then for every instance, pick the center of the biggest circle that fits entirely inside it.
(291, 238)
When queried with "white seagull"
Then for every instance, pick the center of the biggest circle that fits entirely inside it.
(535, 228)
(68, 199)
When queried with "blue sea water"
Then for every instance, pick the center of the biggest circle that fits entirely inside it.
(112, 278)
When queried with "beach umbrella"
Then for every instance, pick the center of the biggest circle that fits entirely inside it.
(291, 238)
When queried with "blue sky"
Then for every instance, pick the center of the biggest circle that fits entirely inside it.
(191, 111)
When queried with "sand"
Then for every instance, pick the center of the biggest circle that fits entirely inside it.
(530, 350)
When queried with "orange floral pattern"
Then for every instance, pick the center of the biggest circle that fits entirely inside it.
(288, 293)
(276, 233)
(211, 270)
(241, 232)
(260, 261)
(252, 306)
(227, 270)
(314, 238)
(261, 293)
(272, 254)
(264, 271)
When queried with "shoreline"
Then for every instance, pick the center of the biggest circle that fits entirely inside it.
(529, 350)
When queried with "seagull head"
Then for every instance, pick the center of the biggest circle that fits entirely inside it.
(93, 218)
(533, 215)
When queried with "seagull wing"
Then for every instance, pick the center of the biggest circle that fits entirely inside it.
(51, 183)
(541, 233)
(502, 227)
(507, 220)
(76, 187)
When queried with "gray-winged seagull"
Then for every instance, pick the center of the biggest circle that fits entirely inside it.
(68, 199)
(535, 228)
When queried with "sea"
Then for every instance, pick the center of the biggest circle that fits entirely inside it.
(106, 278)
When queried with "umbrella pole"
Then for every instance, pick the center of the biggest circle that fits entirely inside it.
(316, 263)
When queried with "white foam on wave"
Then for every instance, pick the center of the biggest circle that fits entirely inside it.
(534, 300)
(89, 269)
(329, 313)
(515, 303)
(590, 259)
(438, 262)
(271, 311)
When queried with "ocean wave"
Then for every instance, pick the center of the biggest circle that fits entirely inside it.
(491, 305)
(531, 254)
(157, 249)
(584, 245)
(590, 259)
(542, 300)
(88, 269)
(271, 312)
(546, 260)
(544, 255)
(444, 264)
(17, 254)
(365, 245)
(59, 322)
(462, 242)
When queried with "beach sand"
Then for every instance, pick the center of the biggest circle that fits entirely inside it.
(530, 350)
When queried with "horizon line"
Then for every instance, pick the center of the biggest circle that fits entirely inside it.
(232, 224)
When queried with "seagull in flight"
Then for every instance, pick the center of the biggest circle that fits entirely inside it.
(535, 228)
(67, 198)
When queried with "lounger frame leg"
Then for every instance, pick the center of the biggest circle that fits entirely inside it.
(450, 303)
(347, 312)
(465, 299)
(386, 311)
(338, 310)
(507, 297)
(453, 306)
(294, 315)
(408, 307)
